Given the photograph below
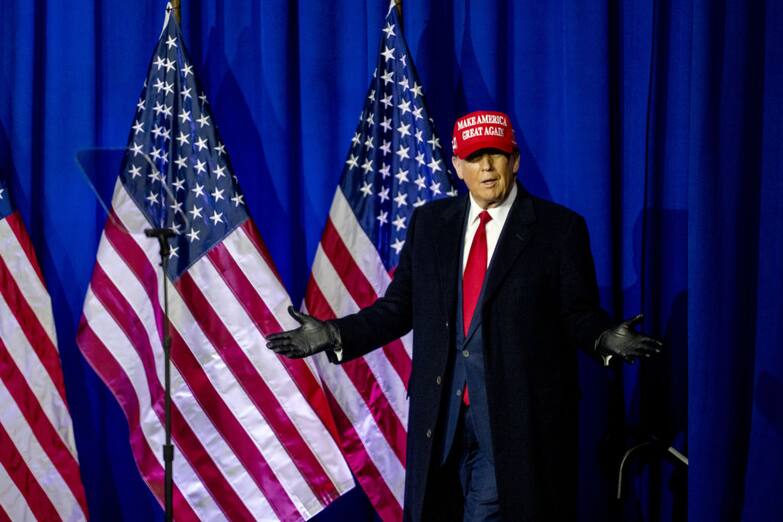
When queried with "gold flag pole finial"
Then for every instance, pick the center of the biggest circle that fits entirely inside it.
(176, 7)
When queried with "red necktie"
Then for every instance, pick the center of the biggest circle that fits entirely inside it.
(473, 278)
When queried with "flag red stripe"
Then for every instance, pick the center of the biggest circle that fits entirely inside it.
(364, 380)
(42, 428)
(36, 335)
(125, 317)
(243, 289)
(264, 318)
(232, 431)
(3, 515)
(344, 264)
(247, 376)
(138, 263)
(110, 371)
(267, 323)
(361, 291)
(189, 444)
(399, 359)
(17, 227)
(365, 471)
(252, 234)
(13, 462)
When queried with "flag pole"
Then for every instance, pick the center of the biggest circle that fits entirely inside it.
(398, 7)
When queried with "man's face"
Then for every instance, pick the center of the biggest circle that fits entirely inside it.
(489, 175)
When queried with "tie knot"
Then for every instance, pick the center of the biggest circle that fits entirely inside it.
(484, 217)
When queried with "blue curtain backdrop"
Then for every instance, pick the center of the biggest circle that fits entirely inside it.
(660, 121)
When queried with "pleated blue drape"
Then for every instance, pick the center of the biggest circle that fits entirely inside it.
(659, 121)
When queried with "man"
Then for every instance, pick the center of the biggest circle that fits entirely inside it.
(499, 288)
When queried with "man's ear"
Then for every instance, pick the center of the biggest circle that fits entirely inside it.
(516, 161)
(456, 163)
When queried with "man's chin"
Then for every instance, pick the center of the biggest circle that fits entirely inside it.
(493, 197)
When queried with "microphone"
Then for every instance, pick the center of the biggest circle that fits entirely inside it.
(163, 235)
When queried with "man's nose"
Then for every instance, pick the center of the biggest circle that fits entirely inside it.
(485, 162)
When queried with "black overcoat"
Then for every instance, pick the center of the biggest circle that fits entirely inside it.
(540, 304)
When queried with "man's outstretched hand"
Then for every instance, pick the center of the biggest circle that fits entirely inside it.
(312, 337)
(623, 341)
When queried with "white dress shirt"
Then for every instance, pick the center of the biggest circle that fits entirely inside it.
(493, 227)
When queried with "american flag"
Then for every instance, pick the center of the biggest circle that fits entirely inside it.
(394, 165)
(252, 432)
(39, 467)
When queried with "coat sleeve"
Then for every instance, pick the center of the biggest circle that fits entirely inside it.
(389, 317)
(580, 309)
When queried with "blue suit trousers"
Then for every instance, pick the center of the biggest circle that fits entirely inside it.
(476, 473)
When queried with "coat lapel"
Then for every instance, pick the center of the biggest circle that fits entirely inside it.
(447, 248)
(515, 236)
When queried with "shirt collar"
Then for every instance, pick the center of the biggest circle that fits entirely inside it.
(498, 213)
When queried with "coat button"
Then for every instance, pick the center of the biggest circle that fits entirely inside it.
(447, 325)
(429, 434)
(466, 353)
(438, 380)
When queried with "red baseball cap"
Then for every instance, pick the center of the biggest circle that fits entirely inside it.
(483, 130)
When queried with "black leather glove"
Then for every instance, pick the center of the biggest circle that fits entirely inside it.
(624, 341)
(312, 337)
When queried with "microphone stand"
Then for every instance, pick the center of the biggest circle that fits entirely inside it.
(163, 235)
(654, 443)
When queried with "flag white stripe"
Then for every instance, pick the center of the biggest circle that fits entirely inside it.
(269, 288)
(115, 340)
(346, 394)
(258, 272)
(341, 302)
(234, 397)
(252, 343)
(11, 499)
(407, 343)
(27, 280)
(123, 278)
(37, 461)
(36, 376)
(358, 244)
(362, 251)
(356, 411)
(300, 412)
